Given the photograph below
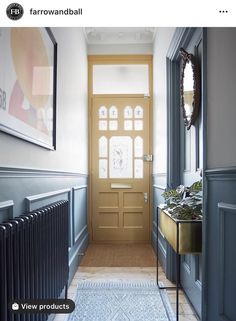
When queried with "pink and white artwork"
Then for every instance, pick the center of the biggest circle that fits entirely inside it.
(27, 98)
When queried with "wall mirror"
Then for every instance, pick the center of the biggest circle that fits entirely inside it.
(189, 88)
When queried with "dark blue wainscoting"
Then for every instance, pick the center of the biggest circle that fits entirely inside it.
(166, 254)
(23, 190)
(158, 199)
(219, 277)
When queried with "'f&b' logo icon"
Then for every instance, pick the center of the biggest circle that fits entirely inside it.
(15, 11)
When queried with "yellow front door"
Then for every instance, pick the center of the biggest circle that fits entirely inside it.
(119, 174)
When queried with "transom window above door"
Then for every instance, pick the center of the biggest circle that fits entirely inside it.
(121, 79)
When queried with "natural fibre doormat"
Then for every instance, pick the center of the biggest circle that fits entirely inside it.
(120, 301)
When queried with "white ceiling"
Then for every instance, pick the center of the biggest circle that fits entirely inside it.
(119, 35)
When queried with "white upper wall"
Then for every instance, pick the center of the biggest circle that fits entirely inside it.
(160, 48)
(72, 116)
(221, 97)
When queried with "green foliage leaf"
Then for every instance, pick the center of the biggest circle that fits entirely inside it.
(184, 208)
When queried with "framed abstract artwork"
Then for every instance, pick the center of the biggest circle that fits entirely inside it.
(28, 71)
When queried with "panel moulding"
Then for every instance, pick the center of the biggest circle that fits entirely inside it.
(31, 201)
(76, 236)
(223, 210)
(7, 206)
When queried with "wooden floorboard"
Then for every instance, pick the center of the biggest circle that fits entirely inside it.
(125, 255)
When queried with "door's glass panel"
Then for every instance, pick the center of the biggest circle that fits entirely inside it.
(103, 146)
(121, 79)
(138, 112)
(102, 112)
(121, 157)
(138, 147)
(138, 125)
(138, 168)
(128, 112)
(128, 125)
(113, 112)
(102, 168)
(102, 125)
(113, 125)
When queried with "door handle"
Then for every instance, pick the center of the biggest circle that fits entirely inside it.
(145, 196)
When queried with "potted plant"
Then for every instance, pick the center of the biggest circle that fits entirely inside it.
(184, 203)
(183, 211)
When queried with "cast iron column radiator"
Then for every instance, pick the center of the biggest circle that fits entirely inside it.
(34, 258)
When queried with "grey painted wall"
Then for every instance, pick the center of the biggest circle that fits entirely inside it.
(220, 200)
(221, 97)
(44, 176)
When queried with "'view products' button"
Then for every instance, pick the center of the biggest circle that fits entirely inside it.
(42, 306)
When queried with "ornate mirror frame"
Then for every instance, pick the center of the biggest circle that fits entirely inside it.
(189, 58)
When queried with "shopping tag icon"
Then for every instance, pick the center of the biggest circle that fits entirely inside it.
(15, 306)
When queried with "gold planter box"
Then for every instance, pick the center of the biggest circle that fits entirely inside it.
(190, 234)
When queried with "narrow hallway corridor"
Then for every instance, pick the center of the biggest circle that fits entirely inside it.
(118, 170)
(120, 263)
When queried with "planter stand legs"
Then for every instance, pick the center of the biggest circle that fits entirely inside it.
(177, 268)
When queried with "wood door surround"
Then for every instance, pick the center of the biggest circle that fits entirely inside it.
(119, 213)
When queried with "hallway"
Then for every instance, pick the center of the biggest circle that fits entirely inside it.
(94, 129)
(121, 263)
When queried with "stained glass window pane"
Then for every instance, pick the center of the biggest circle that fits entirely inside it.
(138, 168)
(102, 112)
(128, 125)
(102, 125)
(113, 112)
(138, 147)
(113, 125)
(121, 157)
(128, 112)
(138, 125)
(102, 168)
(103, 146)
(138, 112)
